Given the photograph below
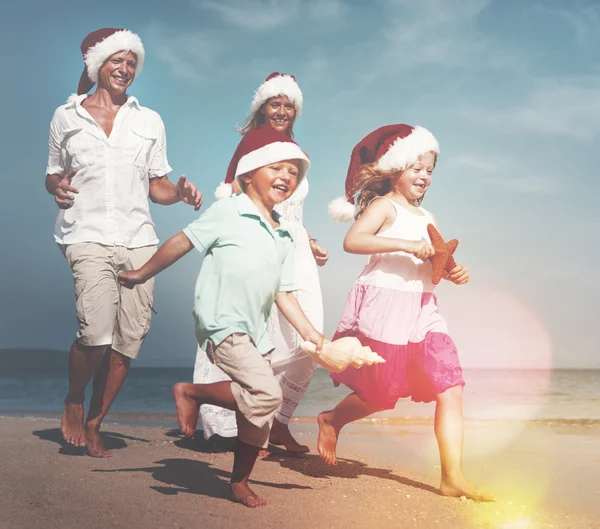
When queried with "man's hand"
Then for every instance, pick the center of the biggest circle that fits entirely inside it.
(61, 194)
(319, 253)
(130, 278)
(188, 193)
(459, 275)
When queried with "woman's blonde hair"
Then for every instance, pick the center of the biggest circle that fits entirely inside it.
(256, 119)
(372, 182)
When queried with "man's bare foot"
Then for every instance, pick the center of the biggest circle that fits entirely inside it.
(187, 409)
(458, 487)
(281, 435)
(328, 437)
(95, 445)
(243, 494)
(71, 424)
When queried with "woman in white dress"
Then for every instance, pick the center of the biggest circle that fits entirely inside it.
(277, 103)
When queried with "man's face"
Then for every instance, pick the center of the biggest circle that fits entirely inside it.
(118, 72)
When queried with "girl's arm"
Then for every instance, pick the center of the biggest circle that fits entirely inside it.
(290, 308)
(172, 250)
(362, 239)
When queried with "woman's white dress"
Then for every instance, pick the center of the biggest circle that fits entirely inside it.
(292, 366)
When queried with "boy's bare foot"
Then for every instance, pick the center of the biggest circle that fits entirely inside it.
(328, 437)
(95, 445)
(187, 409)
(281, 435)
(71, 424)
(243, 494)
(457, 487)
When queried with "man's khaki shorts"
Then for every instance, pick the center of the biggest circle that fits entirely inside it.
(107, 313)
(255, 388)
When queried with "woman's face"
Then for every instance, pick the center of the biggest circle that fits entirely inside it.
(279, 113)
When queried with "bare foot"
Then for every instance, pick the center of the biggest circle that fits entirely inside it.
(95, 445)
(281, 435)
(458, 487)
(243, 494)
(263, 452)
(328, 437)
(187, 409)
(71, 424)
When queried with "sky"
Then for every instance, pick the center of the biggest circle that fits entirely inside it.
(511, 90)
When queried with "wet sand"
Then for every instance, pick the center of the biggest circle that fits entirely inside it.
(544, 476)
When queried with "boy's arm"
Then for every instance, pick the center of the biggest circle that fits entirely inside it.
(290, 308)
(171, 251)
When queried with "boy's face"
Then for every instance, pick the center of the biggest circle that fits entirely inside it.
(273, 183)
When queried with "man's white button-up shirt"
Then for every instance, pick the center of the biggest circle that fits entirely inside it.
(113, 173)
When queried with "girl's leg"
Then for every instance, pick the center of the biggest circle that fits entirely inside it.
(449, 434)
(351, 408)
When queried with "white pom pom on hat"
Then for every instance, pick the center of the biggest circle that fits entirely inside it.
(390, 148)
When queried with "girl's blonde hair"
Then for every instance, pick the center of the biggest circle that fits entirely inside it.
(256, 119)
(372, 182)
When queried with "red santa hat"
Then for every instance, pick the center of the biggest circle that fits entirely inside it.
(99, 45)
(259, 147)
(390, 148)
(278, 84)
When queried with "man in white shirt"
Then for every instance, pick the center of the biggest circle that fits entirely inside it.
(107, 156)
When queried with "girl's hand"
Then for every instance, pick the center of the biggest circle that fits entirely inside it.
(130, 278)
(459, 275)
(319, 253)
(421, 249)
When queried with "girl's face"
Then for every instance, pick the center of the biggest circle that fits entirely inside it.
(279, 113)
(273, 183)
(415, 180)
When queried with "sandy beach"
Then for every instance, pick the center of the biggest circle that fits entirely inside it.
(544, 476)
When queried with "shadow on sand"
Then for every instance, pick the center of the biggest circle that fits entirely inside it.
(112, 441)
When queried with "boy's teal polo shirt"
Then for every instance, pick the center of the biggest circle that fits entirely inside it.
(246, 264)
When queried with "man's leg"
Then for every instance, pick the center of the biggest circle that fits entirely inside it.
(83, 363)
(107, 383)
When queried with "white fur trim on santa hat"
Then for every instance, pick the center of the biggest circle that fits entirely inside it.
(118, 41)
(282, 85)
(404, 152)
(341, 210)
(223, 191)
(272, 153)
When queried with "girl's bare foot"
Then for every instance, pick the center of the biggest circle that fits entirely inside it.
(243, 494)
(187, 409)
(328, 438)
(457, 487)
(281, 435)
(71, 424)
(95, 445)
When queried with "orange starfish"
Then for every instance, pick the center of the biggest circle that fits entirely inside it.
(442, 260)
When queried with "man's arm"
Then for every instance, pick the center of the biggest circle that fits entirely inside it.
(60, 186)
(170, 252)
(163, 191)
(290, 308)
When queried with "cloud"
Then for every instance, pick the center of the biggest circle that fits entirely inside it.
(582, 18)
(253, 15)
(326, 9)
(189, 54)
(501, 173)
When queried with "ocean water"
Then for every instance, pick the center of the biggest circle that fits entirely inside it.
(569, 396)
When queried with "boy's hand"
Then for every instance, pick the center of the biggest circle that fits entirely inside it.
(422, 249)
(459, 275)
(130, 278)
(317, 338)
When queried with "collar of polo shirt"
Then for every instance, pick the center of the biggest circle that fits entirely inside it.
(246, 207)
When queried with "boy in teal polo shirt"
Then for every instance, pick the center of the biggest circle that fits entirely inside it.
(247, 267)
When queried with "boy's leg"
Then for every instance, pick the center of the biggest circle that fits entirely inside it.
(351, 408)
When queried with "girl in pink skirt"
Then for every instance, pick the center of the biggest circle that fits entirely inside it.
(392, 307)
